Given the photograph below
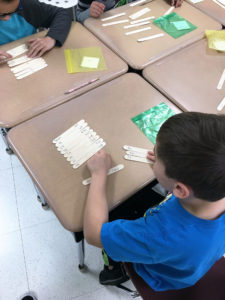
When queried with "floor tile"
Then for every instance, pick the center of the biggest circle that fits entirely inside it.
(5, 162)
(8, 207)
(13, 281)
(30, 211)
(52, 263)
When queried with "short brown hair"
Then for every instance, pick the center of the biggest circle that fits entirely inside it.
(191, 146)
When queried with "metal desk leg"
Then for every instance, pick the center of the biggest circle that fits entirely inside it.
(41, 199)
(3, 134)
(79, 238)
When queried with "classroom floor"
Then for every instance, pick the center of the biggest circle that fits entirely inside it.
(36, 252)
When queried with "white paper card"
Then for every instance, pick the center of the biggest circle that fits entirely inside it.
(142, 20)
(138, 159)
(137, 2)
(150, 37)
(116, 22)
(169, 10)
(196, 1)
(136, 25)
(90, 62)
(61, 3)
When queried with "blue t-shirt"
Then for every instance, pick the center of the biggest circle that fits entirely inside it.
(170, 248)
(14, 29)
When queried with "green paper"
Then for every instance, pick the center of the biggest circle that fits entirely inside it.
(150, 121)
(84, 60)
(166, 23)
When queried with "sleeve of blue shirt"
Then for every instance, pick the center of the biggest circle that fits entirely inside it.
(140, 241)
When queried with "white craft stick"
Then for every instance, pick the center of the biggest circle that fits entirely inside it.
(221, 5)
(136, 25)
(221, 105)
(61, 141)
(139, 159)
(113, 17)
(34, 70)
(95, 149)
(142, 20)
(33, 62)
(169, 10)
(140, 13)
(18, 50)
(137, 3)
(136, 149)
(136, 153)
(111, 171)
(81, 122)
(221, 81)
(150, 37)
(116, 22)
(18, 61)
(138, 30)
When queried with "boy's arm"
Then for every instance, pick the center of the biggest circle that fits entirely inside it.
(96, 209)
(84, 10)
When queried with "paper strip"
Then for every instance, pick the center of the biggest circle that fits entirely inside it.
(138, 30)
(139, 159)
(115, 16)
(221, 105)
(18, 50)
(150, 37)
(169, 10)
(142, 20)
(140, 13)
(30, 72)
(136, 149)
(221, 81)
(137, 3)
(138, 154)
(116, 22)
(136, 25)
(111, 171)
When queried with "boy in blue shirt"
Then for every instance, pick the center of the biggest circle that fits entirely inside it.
(176, 243)
(20, 18)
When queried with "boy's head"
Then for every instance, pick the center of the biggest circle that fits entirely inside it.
(7, 8)
(190, 150)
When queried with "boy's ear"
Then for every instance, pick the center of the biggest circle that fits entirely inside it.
(181, 190)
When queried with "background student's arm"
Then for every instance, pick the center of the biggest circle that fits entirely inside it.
(96, 209)
(84, 10)
(176, 3)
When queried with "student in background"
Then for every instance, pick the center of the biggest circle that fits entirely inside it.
(21, 18)
(177, 242)
(94, 9)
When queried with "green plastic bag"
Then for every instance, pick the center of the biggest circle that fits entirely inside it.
(174, 25)
(152, 119)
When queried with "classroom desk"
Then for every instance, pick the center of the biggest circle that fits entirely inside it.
(190, 77)
(212, 9)
(23, 99)
(108, 110)
(138, 55)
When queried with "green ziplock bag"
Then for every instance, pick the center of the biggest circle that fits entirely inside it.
(174, 25)
(152, 119)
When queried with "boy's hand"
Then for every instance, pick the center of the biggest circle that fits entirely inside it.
(4, 56)
(96, 9)
(100, 163)
(151, 155)
(38, 46)
(176, 3)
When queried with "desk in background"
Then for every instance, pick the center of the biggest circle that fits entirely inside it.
(138, 55)
(212, 9)
(190, 77)
(23, 99)
(108, 110)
